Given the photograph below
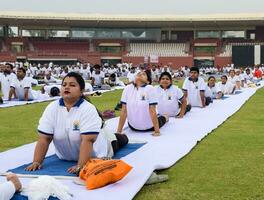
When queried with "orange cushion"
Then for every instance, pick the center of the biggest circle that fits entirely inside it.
(98, 173)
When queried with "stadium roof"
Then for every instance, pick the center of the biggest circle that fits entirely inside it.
(103, 20)
(134, 6)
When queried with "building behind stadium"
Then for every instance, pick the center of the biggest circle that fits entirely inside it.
(212, 40)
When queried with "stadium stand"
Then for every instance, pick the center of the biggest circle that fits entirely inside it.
(159, 49)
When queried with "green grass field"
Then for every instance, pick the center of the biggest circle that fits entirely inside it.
(228, 164)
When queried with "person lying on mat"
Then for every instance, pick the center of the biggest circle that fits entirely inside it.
(225, 86)
(8, 188)
(139, 102)
(193, 89)
(212, 90)
(171, 100)
(20, 87)
(74, 126)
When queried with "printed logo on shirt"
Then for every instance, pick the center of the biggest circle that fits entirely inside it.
(76, 125)
(143, 97)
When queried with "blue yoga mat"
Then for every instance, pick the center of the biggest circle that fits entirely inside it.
(53, 166)
(224, 97)
(238, 92)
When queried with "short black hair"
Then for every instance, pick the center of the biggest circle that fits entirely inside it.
(22, 69)
(113, 75)
(165, 74)
(54, 92)
(211, 77)
(97, 66)
(232, 70)
(224, 76)
(77, 77)
(10, 65)
(196, 69)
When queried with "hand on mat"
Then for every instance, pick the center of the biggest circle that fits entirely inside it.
(14, 179)
(34, 166)
(179, 116)
(74, 169)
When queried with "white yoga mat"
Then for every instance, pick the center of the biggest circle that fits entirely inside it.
(8, 104)
(13, 103)
(177, 139)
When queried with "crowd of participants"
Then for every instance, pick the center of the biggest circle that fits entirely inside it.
(81, 135)
(17, 79)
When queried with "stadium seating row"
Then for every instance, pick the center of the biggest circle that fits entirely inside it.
(159, 49)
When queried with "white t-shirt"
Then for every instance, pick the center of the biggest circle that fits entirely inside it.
(86, 73)
(193, 91)
(249, 78)
(212, 92)
(57, 70)
(98, 78)
(63, 74)
(226, 88)
(67, 128)
(34, 70)
(7, 190)
(5, 81)
(20, 86)
(168, 100)
(131, 76)
(88, 87)
(138, 101)
(234, 80)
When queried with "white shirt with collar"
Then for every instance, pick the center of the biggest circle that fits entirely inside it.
(20, 86)
(193, 89)
(249, 78)
(6, 80)
(168, 100)
(7, 190)
(131, 76)
(98, 78)
(212, 91)
(138, 100)
(233, 79)
(66, 127)
(227, 88)
(86, 73)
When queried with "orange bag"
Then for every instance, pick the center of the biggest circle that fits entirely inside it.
(98, 173)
